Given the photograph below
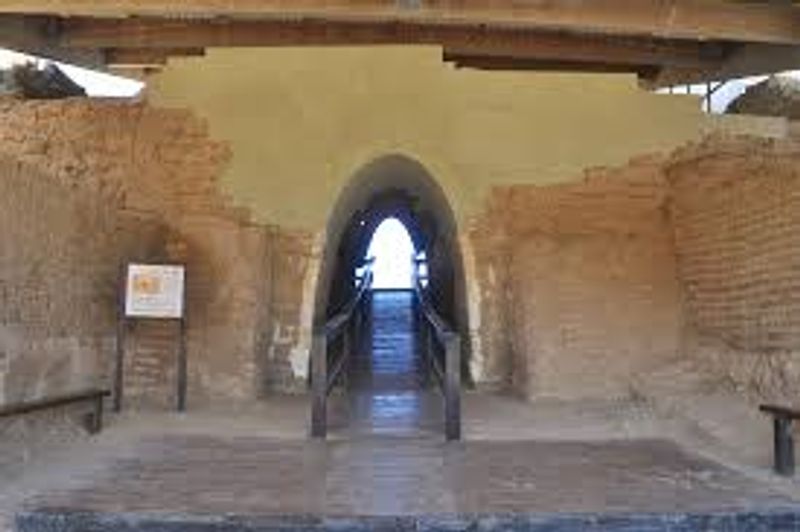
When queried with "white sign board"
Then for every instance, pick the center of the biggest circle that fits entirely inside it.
(154, 291)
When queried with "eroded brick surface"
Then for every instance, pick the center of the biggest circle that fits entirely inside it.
(736, 214)
(584, 281)
(581, 287)
(88, 186)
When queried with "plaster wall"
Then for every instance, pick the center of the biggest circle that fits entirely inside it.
(301, 122)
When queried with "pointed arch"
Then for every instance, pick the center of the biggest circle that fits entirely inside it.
(394, 186)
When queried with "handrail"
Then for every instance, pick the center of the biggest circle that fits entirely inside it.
(448, 374)
(335, 323)
(440, 327)
(322, 380)
(443, 330)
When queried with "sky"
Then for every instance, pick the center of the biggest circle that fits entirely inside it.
(730, 91)
(95, 83)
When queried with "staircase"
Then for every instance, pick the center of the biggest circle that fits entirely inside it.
(389, 390)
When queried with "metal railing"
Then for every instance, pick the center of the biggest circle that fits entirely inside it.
(441, 346)
(326, 370)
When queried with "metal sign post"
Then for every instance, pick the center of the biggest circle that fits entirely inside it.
(152, 291)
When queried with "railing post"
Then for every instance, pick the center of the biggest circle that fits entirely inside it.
(319, 384)
(452, 407)
(357, 328)
(347, 347)
(784, 446)
(430, 340)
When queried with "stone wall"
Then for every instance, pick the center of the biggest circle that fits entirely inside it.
(736, 210)
(584, 281)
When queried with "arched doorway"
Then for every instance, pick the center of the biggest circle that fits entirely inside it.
(397, 188)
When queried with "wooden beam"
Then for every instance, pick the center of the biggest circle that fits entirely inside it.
(749, 60)
(474, 41)
(36, 36)
(517, 64)
(767, 22)
(139, 58)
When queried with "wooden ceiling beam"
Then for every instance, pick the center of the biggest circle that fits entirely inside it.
(516, 64)
(767, 22)
(141, 33)
(749, 60)
(137, 58)
(36, 36)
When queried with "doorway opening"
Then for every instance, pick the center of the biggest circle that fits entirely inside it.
(393, 221)
(391, 254)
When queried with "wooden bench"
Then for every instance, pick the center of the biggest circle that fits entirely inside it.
(94, 420)
(783, 421)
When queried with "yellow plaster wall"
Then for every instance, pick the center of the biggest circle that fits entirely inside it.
(302, 121)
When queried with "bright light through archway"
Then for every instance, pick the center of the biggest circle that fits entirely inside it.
(392, 249)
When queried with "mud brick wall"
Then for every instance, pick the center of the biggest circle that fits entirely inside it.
(491, 340)
(589, 281)
(736, 211)
(577, 288)
(60, 250)
(89, 185)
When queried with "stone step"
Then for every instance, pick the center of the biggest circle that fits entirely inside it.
(78, 521)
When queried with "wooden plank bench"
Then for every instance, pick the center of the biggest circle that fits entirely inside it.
(94, 421)
(783, 421)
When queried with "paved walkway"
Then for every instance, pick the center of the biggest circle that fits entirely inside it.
(522, 466)
(192, 475)
(530, 460)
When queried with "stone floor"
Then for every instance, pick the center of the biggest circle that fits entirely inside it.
(204, 476)
(517, 459)
(550, 465)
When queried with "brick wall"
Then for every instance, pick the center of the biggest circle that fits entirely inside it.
(60, 249)
(737, 228)
(587, 288)
(89, 185)
(589, 282)
(578, 283)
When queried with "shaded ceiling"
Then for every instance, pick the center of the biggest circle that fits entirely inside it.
(664, 42)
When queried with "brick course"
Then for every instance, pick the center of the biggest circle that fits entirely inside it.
(591, 293)
(736, 213)
(89, 185)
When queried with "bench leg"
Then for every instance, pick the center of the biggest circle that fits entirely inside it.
(97, 416)
(784, 447)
